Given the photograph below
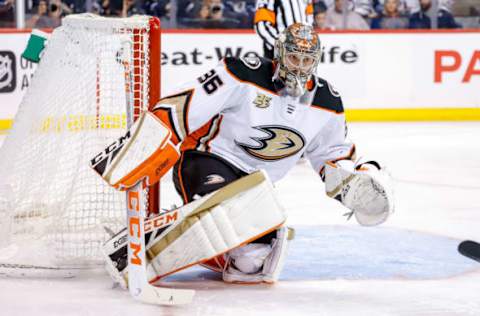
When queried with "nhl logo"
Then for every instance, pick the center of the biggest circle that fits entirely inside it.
(7, 71)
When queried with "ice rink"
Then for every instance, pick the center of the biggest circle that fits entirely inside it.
(407, 266)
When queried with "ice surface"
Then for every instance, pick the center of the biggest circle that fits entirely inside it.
(408, 266)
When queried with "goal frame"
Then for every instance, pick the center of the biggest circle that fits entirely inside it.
(144, 99)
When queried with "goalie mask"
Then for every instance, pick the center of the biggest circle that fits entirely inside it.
(297, 51)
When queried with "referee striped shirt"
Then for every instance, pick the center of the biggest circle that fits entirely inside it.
(273, 16)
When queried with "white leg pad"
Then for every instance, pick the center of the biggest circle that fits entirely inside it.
(216, 230)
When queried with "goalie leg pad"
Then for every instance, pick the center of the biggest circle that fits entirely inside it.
(203, 230)
(116, 258)
(236, 220)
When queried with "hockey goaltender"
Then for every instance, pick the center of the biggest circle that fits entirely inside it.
(228, 135)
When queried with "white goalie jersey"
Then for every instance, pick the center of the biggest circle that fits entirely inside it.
(236, 111)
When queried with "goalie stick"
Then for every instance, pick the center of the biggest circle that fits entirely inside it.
(138, 284)
(470, 249)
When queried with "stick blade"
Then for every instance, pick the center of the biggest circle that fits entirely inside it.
(470, 249)
(164, 296)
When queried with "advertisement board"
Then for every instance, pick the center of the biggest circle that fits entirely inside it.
(15, 74)
(373, 71)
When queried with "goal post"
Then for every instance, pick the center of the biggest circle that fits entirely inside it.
(56, 212)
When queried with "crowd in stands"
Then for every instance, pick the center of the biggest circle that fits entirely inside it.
(214, 14)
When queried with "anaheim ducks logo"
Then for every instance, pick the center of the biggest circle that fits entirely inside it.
(280, 142)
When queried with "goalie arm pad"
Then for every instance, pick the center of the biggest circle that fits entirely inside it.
(145, 152)
(365, 189)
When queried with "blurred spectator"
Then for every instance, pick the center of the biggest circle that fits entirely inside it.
(446, 19)
(365, 8)
(328, 3)
(131, 7)
(420, 19)
(390, 18)
(467, 13)
(46, 16)
(320, 15)
(216, 15)
(73, 6)
(112, 7)
(411, 6)
(55, 11)
(185, 8)
(124, 8)
(335, 17)
(209, 14)
(7, 13)
(243, 10)
(103, 8)
(29, 5)
(274, 16)
(161, 9)
(405, 7)
(327, 14)
(466, 8)
(63, 8)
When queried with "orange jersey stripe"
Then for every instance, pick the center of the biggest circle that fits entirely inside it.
(265, 15)
(164, 116)
(175, 105)
(192, 140)
(214, 135)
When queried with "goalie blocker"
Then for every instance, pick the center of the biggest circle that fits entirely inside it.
(144, 153)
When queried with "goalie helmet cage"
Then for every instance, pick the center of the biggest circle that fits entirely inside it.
(53, 208)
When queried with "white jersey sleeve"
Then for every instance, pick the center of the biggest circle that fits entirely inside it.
(331, 144)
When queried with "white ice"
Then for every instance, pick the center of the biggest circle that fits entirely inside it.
(436, 172)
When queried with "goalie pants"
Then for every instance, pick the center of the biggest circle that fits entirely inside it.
(199, 173)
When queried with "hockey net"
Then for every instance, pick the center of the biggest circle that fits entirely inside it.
(55, 213)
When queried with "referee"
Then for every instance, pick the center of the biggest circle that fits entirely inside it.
(273, 16)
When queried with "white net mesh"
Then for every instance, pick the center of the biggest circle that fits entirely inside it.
(53, 204)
